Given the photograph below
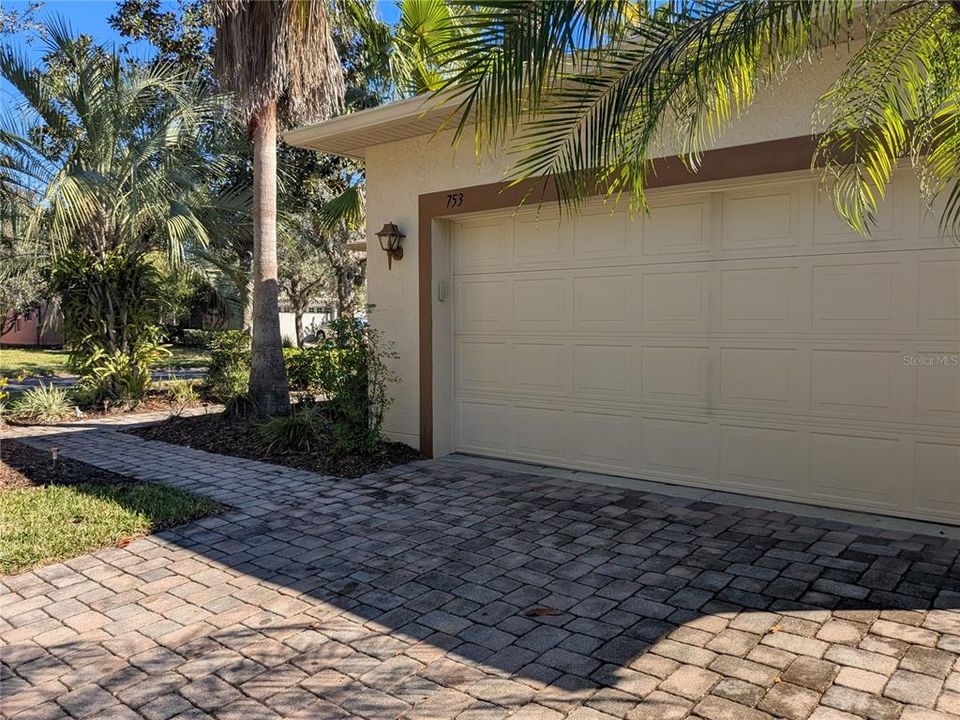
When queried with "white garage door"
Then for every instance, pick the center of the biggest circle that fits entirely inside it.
(738, 338)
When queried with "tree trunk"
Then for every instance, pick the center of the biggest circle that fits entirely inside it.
(298, 325)
(269, 391)
(41, 316)
(248, 305)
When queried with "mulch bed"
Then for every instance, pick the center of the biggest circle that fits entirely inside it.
(238, 437)
(22, 466)
(151, 403)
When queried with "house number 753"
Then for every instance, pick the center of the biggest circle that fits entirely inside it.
(454, 200)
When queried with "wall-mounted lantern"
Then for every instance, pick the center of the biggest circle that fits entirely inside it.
(390, 237)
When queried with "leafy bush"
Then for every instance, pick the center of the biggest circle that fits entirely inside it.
(191, 337)
(229, 372)
(43, 404)
(300, 431)
(359, 383)
(84, 397)
(112, 305)
(350, 370)
(313, 369)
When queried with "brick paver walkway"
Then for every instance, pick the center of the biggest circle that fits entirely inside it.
(422, 593)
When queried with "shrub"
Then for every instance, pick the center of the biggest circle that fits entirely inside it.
(229, 372)
(300, 431)
(313, 369)
(84, 397)
(359, 383)
(191, 337)
(112, 305)
(43, 404)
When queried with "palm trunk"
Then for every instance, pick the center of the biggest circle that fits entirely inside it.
(269, 391)
(248, 305)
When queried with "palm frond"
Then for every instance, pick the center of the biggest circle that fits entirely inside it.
(867, 118)
(279, 52)
(347, 208)
(586, 91)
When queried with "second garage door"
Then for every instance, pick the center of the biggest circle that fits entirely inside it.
(739, 337)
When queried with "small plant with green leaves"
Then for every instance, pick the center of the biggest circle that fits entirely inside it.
(359, 386)
(4, 398)
(182, 393)
(229, 372)
(45, 403)
(300, 431)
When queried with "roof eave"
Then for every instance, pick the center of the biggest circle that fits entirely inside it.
(351, 135)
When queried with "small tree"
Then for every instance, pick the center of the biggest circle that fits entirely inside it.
(304, 273)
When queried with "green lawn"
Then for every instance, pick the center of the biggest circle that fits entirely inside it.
(47, 524)
(40, 361)
(185, 358)
(32, 361)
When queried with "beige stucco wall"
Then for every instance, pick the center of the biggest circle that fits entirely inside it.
(398, 172)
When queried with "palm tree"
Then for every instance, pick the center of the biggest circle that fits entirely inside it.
(418, 57)
(104, 163)
(104, 155)
(583, 90)
(280, 61)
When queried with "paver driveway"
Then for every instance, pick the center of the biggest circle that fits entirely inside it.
(444, 590)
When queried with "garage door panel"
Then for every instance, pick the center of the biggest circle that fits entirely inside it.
(602, 234)
(679, 449)
(482, 365)
(856, 382)
(602, 301)
(482, 305)
(541, 304)
(760, 377)
(482, 426)
(936, 487)
(857, 296)
(674, 374)
(604, 440)
(540, 239)
(539, 432)
(735, 339)
(760, 219)
(761, 458)
(679, 227)
(889, 223)
(938, 302)
(859, 469)
(602, 370)
(481, 245)
(764, 298)
(675, 300)
(938, 384)
(542, 368)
